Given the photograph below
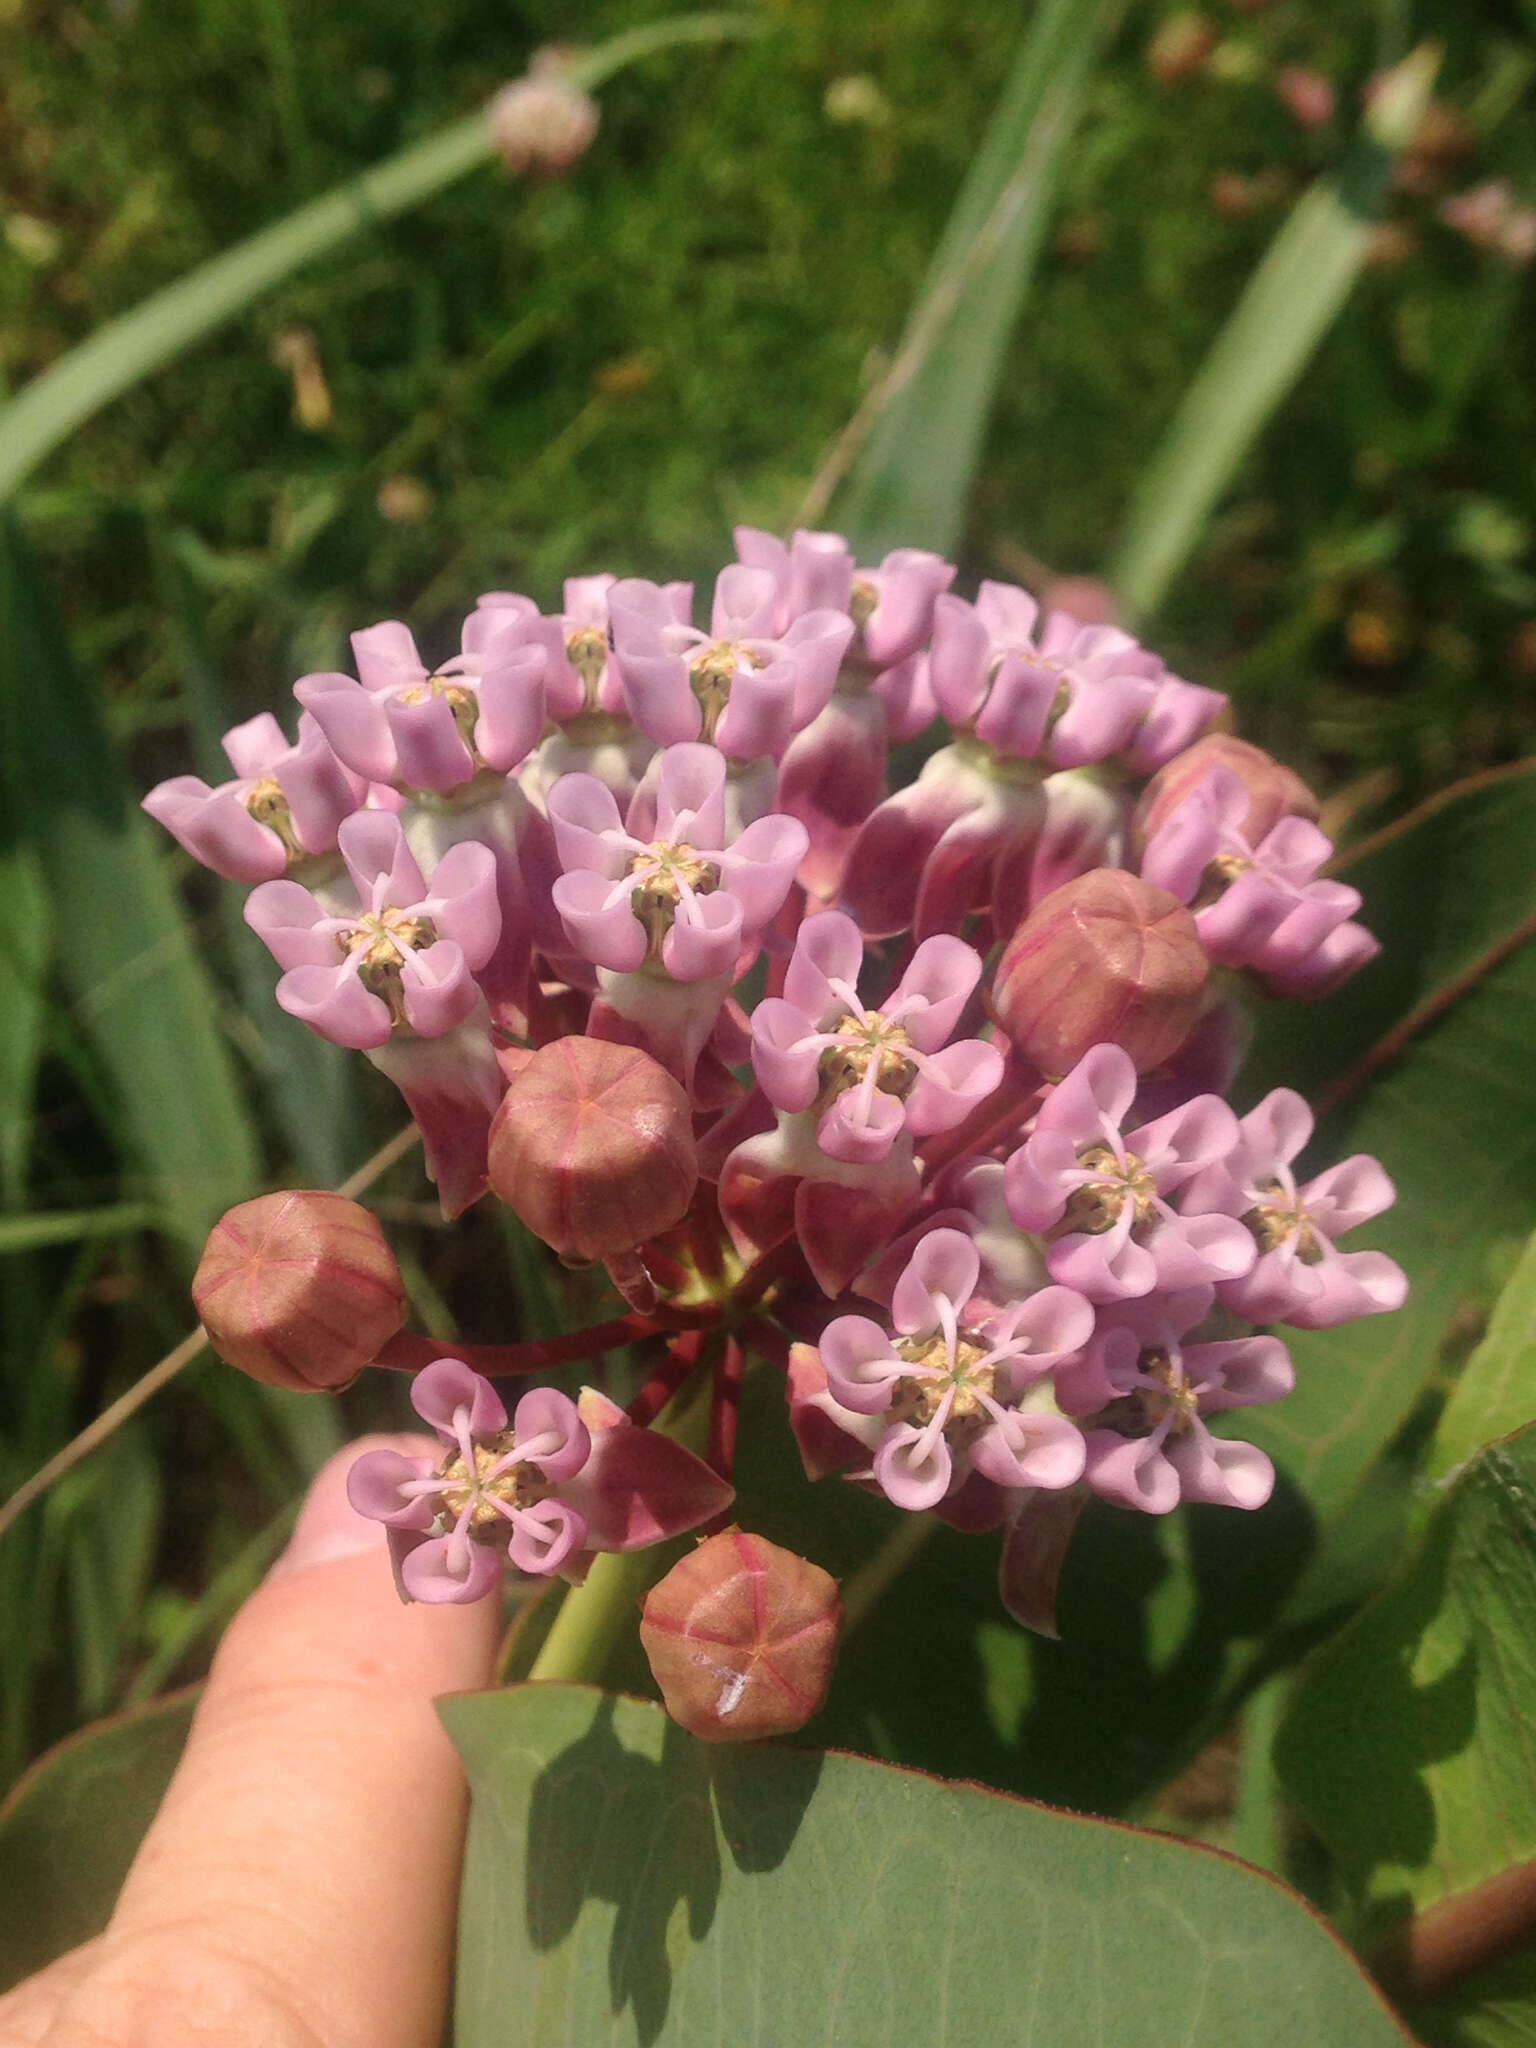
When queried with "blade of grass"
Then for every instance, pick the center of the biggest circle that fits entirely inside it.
(914, 443)
(67, 1226)
(1287, 306)
(129, 348)
(126, 954)
(25, 936)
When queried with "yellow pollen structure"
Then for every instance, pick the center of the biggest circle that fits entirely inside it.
(864, 1042)
(1285, 1222)
(586, 649)
(461, 700)
(1100, 1205)
(383, 938)
(709, 677)
(917, 1400)
(1140, 1412)
(268, 806)
(479, 1491)
(664, 871)
(862, 599)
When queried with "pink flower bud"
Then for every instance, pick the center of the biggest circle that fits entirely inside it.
(593, 1148)
(1105, 960)
(299, 1289)
(742, 1637)
(542, 123)
(1306, 94)
(1274, 792)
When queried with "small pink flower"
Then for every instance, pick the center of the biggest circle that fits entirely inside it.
(435, 729)
(1300, 1276)
(1142, 1392)
(561, 1482)
(282, 810)
(404, 960)
(870, 1073)
(891, 607)
(941, 1402)
(1104, 1199)
(743, 686)
(684, 899)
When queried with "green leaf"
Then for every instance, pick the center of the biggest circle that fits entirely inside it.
(1425, 1059)
(1407, 1745)
(68, 1226)
(1493, 2008)
(126, 955)
(625, 1883)
(71, 1826)
(1496, 1391)
(1288, 305)
(131, 347)
(910, 484)
(25, 936)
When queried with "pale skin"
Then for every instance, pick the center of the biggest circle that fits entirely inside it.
(297, 1888)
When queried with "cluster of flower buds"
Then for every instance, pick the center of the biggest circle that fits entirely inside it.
(914, 1097)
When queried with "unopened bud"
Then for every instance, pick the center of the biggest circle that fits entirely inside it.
(1105, 960)
(542, 123)
(742, 1637)
(593, 1148)
(299, 1289)
(1274, 792)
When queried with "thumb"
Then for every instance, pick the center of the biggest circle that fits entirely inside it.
(300, 1880)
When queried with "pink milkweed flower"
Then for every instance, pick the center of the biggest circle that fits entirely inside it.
(687, 900)
(1043, 685)
(742, 687)
(561, 1482)
(481, 712)
(1141, 1393)
(1258, 906)
(946, 1399)
(867, 1074)
(404, 960)
(1299, 1276)
(1103, 1198)
(891, 607)
(280, 814)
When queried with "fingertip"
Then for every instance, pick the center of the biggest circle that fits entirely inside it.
(328, 1526)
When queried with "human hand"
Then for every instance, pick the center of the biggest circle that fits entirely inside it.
(297, 1888)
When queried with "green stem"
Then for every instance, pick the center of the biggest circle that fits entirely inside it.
(1257, 1820)
(592, 1616)
(127, 349)
(905, 1543)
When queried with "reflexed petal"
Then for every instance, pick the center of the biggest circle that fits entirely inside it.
(602, 931)
(444, 1572)
(912, 1468)
(942, 974)
(957, 659)
(945, 1262)
(462, 902)
(584, 817)
(438, 988)
(1230, 1475)
(860, 1364)
(386, 656)
(951, 1084)
(332, 1001)
(354, 722)
(1132, 1472)
(637, 1488)
(704, 940)
(690, 796)
(548, 1430)
(545, 1535)
(759, 716)
(1031, 1449)
(760, 866)
(284, 916)
(376, 1483)
(511, 699)
(785, 1057)
(430, 752)
(440, 1389)
(373, 846)
(860, 1131)
(828, 947)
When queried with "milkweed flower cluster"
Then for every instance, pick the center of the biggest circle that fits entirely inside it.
(913, 1097)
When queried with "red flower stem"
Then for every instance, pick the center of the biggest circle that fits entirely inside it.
(409, 1353)
(779, 1263)
(704, 1233)
(762, 1336)
(682, 1356)
(724, 1417)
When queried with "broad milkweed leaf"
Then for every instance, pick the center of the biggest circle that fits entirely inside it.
(628, 1884)
(70, 1827)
